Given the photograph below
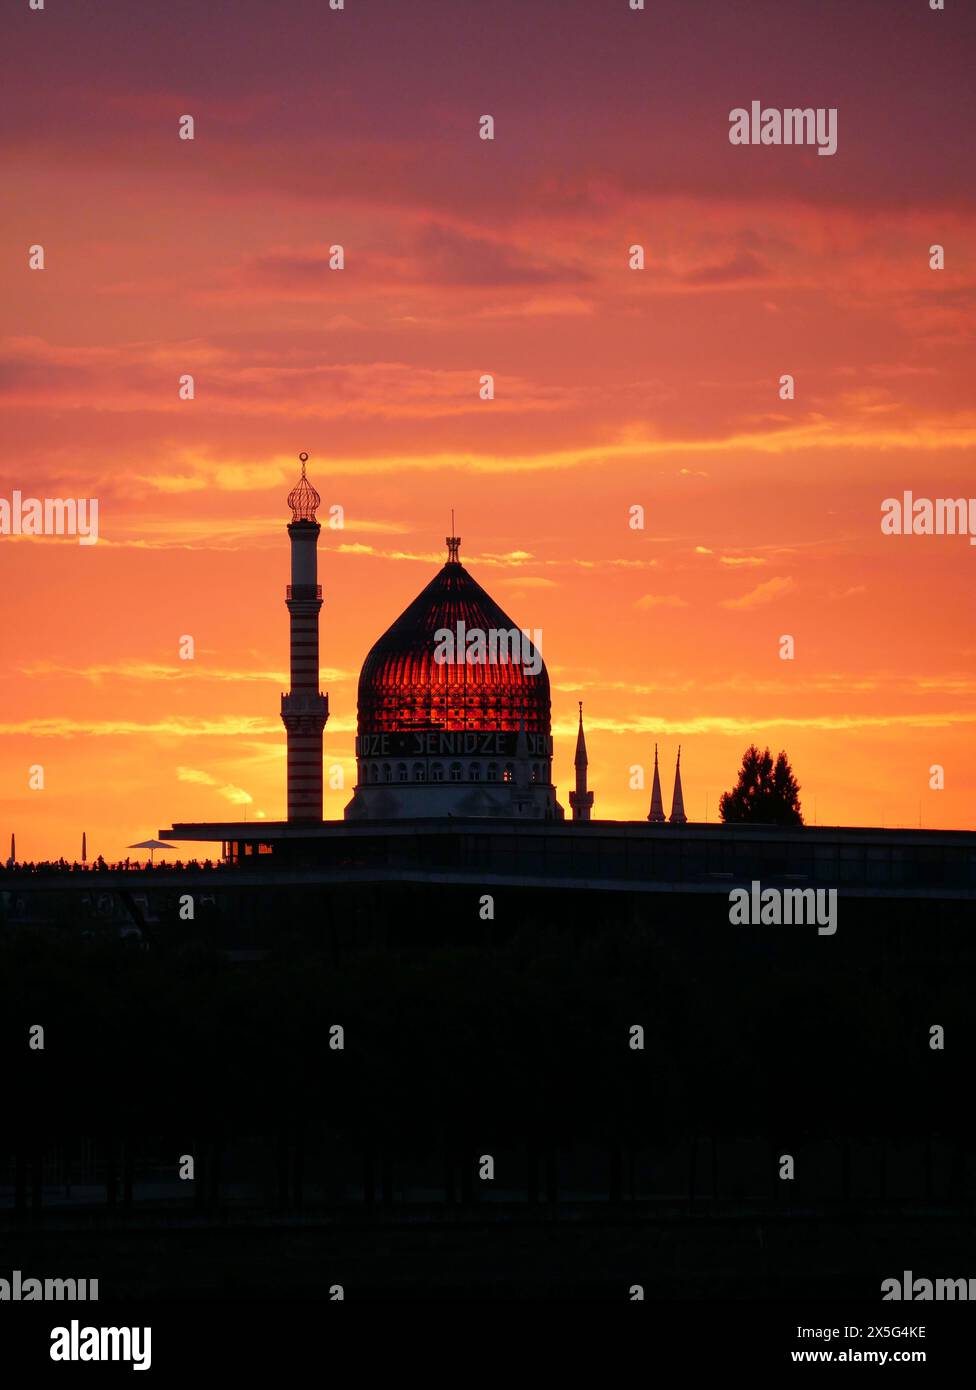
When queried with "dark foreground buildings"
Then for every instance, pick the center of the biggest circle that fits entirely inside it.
(570, 1002)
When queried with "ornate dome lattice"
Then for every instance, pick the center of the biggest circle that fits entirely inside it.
(303, 499)
(402, 687)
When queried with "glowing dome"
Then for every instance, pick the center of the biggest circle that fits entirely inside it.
(403, 687)
(448, 728)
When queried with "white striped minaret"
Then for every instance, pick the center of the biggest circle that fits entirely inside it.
(304, 709)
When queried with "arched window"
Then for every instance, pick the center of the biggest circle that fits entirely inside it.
(509, 774)
(437, 772)
(401, 772)
(535, 772)
(474, 772)
(387, 773)
(455, 772)
(492, 772)
(374, 773)
(418, 772)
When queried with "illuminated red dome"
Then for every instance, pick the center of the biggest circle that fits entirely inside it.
(403, 687)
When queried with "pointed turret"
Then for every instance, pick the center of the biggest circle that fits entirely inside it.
(657, 815)
(678, 816)
(84, 847)
(581, 800)
(581, 759)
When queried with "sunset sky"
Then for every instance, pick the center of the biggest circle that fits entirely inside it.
(614, 387)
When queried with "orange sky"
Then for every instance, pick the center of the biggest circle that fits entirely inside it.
(613, 388)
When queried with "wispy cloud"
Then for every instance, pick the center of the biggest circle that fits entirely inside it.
(762, 594)
(744, 725)
(171, 726)
(168, 727)
(237, 795)
(661, 601)
(196, 671)
(734, 271)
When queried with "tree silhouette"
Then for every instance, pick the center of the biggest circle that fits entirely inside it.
(765, 794)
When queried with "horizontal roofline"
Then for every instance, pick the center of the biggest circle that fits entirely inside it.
(266, 831)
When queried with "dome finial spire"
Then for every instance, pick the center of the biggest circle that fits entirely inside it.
(453, 544)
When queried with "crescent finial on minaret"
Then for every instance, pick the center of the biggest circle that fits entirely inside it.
(303, 499)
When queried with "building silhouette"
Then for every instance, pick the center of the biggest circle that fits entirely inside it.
(454, 714)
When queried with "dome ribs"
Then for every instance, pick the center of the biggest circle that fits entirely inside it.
(401, 686)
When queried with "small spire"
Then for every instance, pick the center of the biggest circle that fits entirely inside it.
(581, 757)
(678, 816)
(656, 815)
(581, 798)
(453, 544)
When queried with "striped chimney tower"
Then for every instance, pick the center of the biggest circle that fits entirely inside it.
(304, 709)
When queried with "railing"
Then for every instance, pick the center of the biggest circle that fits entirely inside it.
(303, 591)
(301, 703)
